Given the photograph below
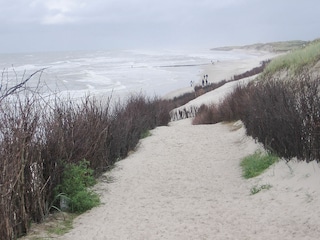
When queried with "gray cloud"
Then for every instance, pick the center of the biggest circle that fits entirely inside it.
(38, 25)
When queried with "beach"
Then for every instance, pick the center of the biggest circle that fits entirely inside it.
(225, 70)
(185, 182)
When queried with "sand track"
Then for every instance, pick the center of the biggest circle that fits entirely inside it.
(184, 182)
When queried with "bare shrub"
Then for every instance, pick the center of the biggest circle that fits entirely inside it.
(232, 108)
(308, 106)
(21, 182)
(253, 71)
(74, 132)
(161, 109)
(39, 138)
(272, 118)
(207, 115)
(235, 104)
(131, 119)
(285, 116)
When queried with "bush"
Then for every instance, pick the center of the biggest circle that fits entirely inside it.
(75, 183)
(83, 200)
(283, 115)
(38, 132)
(232, 108)
(133, 118)
(207, 115)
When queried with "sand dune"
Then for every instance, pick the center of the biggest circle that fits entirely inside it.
(184, 182)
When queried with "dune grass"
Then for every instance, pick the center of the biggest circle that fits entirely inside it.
(255, 164)
(282, 46)
(296, 60)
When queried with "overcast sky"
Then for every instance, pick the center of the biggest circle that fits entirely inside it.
(53, 25)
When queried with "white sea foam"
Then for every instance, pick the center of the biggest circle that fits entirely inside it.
(149, 71)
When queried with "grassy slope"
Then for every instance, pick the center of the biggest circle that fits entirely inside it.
(272, 46)
(295, 61)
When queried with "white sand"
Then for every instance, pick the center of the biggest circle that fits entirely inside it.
(184, 182)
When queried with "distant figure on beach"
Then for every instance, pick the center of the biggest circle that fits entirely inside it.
(207, 79)
(191, 83)
(202, 82)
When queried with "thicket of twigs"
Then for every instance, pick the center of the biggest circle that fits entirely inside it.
(39, 137)
(283, 115)
(282, 109)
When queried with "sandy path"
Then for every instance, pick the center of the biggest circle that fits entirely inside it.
(184, 182)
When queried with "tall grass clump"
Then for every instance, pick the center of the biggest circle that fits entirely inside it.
(295, 61)
(43, 142)
(256, 164)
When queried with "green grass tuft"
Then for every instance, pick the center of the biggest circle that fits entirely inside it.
(256, 189)
(62, 227)
(145, 134)
(256, 163)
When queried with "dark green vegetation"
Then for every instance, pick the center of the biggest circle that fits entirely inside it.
(256, 163)
(76, 180)
(281, 109)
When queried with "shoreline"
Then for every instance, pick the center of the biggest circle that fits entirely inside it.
(225, 70)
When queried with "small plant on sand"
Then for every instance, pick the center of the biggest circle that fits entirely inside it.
(145, 134)
(256, 189)
(63, 226)
(256, 163)
(77, 178)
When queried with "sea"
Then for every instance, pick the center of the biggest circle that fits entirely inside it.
(119, 72)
